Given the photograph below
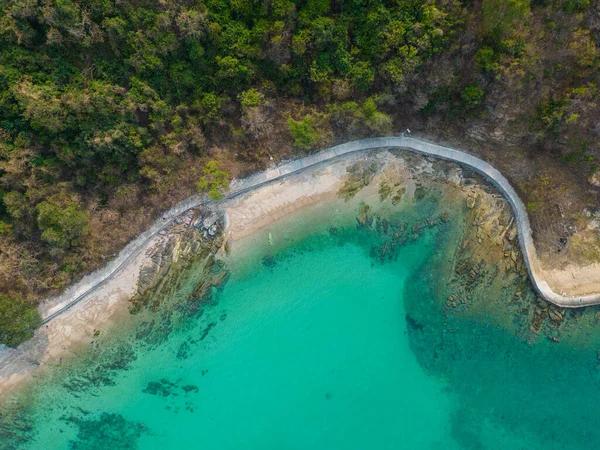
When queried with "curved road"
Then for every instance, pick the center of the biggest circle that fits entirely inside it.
(91, 283)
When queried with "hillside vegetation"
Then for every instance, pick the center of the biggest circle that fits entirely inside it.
(111, 111)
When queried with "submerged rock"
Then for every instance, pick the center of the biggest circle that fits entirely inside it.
(364, 216)
(108, 431)
(384, 191)
(360, 175)
(398, 196)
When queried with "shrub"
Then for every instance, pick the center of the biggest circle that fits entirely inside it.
(375, 120)
(63, 227)
(304, 132)
(486, 60)
(214, 181)
(251, 98)
(472, 97)
(499, 16)
(18, 320)
(550, 114)
(211, 107)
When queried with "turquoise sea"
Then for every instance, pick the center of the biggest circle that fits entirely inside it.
(318, 342)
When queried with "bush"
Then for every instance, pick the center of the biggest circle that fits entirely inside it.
(376, 121)
(18, 320)
(486, 60)
(531, 207)
(472, 97)
(304, 133)
(214, 181)
(211, 108)
(575, 6)
(251, 98)
(500, 16)
(550, 114)
(62, 226)
(354, 117)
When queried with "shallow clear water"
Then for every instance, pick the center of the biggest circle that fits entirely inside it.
(315, 343)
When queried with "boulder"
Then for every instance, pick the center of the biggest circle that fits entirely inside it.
(210, 221)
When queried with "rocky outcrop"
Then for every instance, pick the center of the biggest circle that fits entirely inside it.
(192, 240)
(488, 245)
(360, 175)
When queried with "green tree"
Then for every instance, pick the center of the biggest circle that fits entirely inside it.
(41, 105)
(214, 181)
(251, 98)
(18, 320)
(304, 132)
(211, 107)
(487, 60)
(499, 16)
(362, 75)
(472, 97)
(63, 227)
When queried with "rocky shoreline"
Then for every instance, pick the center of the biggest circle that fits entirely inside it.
(194, 239)
(557, 278)
(198, 235)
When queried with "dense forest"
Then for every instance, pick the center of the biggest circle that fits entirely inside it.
(113, 110)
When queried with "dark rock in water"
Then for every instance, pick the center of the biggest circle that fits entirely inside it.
(184, 351)
(556, 316)
(164, 388)
(109, 431)
(536, 323)
(413, 324)
(554, 336)
(215, 277)
(420, 192)
(268, 261)
(378, 225)
(383, 249)
(102, 372)
(373, 252)
(364, 216)
(207, 330)
(189, 388)
(384, 191)
(398, 234)
(333, 231)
